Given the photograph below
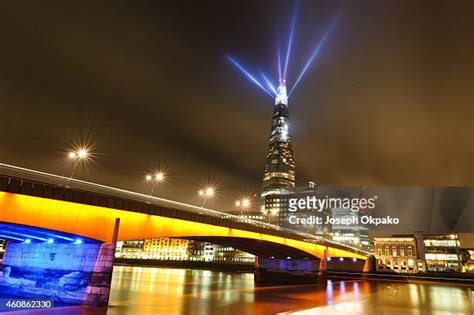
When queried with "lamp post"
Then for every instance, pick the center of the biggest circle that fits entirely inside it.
(154, 179)
(206, 193)
(243, 204)
(77, 156)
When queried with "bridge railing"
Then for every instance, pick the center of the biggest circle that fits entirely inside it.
(80, 185)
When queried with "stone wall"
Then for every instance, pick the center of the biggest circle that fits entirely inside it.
(67, 273)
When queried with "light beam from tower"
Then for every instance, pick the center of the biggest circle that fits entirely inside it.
(269, 83)
(248, 75)
(290, 42)
(311, 58)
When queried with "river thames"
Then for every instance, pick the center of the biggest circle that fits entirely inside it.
(147, 290)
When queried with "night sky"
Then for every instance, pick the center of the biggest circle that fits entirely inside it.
(389, 100)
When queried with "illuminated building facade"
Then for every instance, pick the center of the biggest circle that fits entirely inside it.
(351, 234)
(420, 252)
(279, 175)
(166, 248)
(441, 251)
(175, 249)
(163, 248)
(398, 254)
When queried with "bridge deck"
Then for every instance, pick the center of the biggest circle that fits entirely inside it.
(33, 183)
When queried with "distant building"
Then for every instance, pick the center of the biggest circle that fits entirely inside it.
(353, 234)
(419, 252)
(129, 249)
(276, 210)
(468, 260)
(165, 248)
(441, 251)
(398, 254)
(226, 254)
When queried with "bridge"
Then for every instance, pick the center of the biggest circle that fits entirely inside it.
(61, 235)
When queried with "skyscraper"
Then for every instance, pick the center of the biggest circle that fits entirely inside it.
(279, 173)
(279, 176)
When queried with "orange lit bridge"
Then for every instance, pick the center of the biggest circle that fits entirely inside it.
(56, 223)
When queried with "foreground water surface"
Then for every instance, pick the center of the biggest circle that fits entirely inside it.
(147, 290)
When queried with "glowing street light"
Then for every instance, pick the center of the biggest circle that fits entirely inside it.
(209, 191)
(159, 176)
(245, 203)
(77, 156)
(154, 179)
(206, 193)
(82, 153)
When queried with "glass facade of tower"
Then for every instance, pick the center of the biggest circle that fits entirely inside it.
(279, 173)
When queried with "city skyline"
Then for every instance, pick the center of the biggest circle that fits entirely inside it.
(139, 119)
(236, 157)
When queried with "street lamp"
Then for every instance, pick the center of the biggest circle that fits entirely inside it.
(159, 176)
(206, 193)
(77, 156)
(154, 179)
(245, 203)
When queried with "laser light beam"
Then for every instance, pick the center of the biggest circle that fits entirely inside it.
(312, 56)
(248, 75)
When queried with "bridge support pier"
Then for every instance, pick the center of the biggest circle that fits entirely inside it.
(271, 271)
(65, 272)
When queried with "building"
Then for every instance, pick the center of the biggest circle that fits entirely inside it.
(356, 234)
(468, 260)
(441, 251)
(277, 208)
(276, 211)
(163, 248)
(129, 249)
(278, 185)
(398, 254)
(279, 174)
(226, 254)
(419, 252)
(166, 248)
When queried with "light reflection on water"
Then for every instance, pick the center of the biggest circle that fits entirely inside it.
(180, 291)
(142, 290)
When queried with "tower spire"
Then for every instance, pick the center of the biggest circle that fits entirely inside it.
(281, 97)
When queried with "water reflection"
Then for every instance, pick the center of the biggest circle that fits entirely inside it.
(140, 290)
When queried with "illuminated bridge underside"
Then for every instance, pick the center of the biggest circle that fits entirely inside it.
(98, 223)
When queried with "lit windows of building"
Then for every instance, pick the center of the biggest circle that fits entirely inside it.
(389, 257)
(420, 252)
(441, 251)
